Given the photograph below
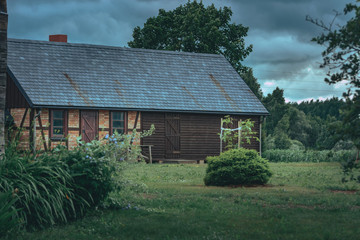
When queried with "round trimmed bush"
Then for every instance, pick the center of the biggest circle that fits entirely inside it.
(237, 167)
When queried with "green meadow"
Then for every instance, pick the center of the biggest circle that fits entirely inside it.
(170, 201)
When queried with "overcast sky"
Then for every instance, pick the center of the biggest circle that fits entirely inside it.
(283, 54)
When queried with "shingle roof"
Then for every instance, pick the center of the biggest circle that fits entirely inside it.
(92, 76)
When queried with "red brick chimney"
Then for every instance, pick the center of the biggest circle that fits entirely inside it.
(58, 38)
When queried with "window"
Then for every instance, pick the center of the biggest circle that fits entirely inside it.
(58, 123)
(118, 122)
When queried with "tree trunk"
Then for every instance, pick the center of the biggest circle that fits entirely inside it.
(3, 66)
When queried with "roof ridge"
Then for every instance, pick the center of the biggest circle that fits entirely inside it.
(86, 45)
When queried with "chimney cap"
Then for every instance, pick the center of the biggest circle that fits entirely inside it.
(58, 38)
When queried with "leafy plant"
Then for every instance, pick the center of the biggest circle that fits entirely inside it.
(237, 166)
(231, 136)
(124, 147)
(351, 170)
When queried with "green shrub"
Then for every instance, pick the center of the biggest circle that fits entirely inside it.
(94, 166)
(237, 166)
(91, 171)
(278, 155)
(296, 145)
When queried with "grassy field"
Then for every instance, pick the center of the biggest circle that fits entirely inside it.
(301, 201)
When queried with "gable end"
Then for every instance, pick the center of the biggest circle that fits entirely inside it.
(14, 96)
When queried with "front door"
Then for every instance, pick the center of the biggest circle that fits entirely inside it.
(89, 125)
(172, 135)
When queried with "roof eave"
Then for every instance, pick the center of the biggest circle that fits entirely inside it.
(151, 110)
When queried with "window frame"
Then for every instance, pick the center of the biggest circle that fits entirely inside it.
(65, 124)
(124, 120)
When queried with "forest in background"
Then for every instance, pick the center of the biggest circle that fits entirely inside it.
(310, 125)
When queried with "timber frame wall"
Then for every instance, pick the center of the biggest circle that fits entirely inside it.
(24, 116)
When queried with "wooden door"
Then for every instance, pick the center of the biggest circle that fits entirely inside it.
(89, 125)
(172, 135)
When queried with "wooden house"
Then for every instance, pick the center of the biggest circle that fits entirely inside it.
(90, 90)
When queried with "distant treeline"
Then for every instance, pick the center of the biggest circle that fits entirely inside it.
(308, 125)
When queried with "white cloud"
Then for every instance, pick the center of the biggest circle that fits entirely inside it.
(341, 84)
(269, 84)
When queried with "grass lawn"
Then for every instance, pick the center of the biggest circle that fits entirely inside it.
(301, 201)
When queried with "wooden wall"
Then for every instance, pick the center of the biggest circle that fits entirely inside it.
(14, 98)
(158, 138)
(198, 134)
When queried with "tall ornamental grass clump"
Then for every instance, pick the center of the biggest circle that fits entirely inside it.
(278, 155)
(63, 184)
(237, 167)
(43, 190)
(8, 217)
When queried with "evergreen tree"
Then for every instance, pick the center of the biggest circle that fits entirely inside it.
(252, 82)
(275, 104)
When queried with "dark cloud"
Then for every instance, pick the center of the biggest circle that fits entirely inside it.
(283, 52)
(284, 15)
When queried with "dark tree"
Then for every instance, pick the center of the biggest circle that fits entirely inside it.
(252, 82)
(341, 55)
(192, 27)
(342, 58)
(275, 104)
(322, 109)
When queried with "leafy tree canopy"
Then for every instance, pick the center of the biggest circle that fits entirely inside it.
(342, 57)
(342, 53)
(192, 27)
